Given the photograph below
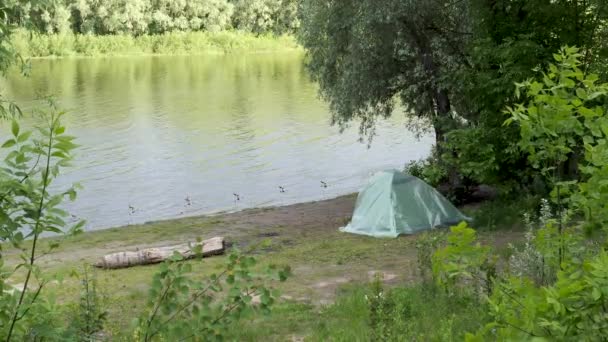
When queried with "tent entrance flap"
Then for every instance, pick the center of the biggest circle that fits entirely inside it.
(395, 203)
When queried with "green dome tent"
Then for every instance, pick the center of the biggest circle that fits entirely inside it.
(395, 203)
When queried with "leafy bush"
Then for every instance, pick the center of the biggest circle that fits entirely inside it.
(529, 262)
(473, 159)
(574, 309)
(422, 313)
(426, 245)
(429, 170)
(503, 213)
(29, 210)
(89, 317)
(564, 126)
(525, 302)
(182, 307)
(463, 263)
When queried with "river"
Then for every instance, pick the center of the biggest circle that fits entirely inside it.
(179, 136)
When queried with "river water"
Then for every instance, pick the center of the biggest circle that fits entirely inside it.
(179, 136)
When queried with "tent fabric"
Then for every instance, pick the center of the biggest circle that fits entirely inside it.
(395, 203)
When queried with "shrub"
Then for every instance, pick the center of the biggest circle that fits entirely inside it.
(429, 170)
(427, 244)
(89, 317)
(422, 313)
(563, 131)
(574, 309)
(463, 263)
(28, 209)
(181, 307)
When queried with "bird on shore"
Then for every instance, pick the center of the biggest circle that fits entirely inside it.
(131, 209)
(323, 184)
(281, 189)
(188, 201)
(237, 197)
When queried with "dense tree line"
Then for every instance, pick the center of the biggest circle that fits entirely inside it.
(454, 63)
(136, 17)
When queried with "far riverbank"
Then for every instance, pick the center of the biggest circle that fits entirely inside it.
(35, 45)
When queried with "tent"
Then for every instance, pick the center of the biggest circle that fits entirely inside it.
(395, 203)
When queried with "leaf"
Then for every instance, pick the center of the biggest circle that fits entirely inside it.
(65, 146)
(15, 128)
(596, 94)
(24, 136)
(581, 93)
(59, 154)
(77, 228)
(9, 143)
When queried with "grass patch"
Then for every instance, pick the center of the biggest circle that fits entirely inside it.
(411, 313)
(175, 43)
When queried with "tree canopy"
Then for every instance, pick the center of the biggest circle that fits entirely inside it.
(451, 62)
(137, 17)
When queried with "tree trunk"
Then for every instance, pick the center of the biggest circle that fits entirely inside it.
(441, 112)
(441, 107)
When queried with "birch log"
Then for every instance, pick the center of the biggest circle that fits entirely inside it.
(213, 246)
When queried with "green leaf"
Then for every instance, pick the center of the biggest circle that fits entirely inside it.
(65, 146)
(59, 154)
(581, 93)
(15, 128)
(24, 136)
(9, 143)
(77, 228)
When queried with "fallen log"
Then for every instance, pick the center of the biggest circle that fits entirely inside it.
(213, 246)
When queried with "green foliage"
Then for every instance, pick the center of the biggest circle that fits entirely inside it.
(381, 312)
(526, 303)
(453, 63)
(503, 213)
(473, 160)
(572, 309)
(88, 319)
(427, 244)
(429, 170)
(529, 260)
(557, 286)
(554, 287)
(137, 17)
(415, 312)
(463, 262)
(564, 127)
(183, 307)
(173, 43)
(365, 54)
(28, 210)
(422, 313)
